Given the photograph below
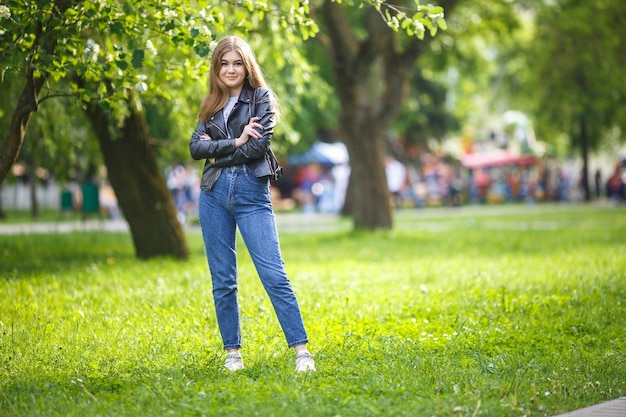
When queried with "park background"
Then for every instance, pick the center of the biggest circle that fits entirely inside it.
(460, 102)
(485, 105)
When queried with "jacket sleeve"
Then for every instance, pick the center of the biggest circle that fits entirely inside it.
(203, 149)
(263, 107)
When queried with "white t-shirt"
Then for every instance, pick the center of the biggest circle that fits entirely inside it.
(228, 107)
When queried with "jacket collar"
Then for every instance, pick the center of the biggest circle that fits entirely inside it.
(246, 94)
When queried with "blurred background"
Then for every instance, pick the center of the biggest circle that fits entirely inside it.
(473, 102)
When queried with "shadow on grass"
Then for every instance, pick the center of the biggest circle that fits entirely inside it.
(34, 254)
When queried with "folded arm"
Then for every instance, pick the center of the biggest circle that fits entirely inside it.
(201, 145)
(258, 142)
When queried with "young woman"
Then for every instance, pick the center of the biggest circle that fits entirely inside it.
(235, 126)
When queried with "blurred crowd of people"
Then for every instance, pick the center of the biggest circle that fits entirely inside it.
(443, 182)
(615, 186)
(183, 181)
(322, 188)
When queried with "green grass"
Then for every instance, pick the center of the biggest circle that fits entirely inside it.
(510, 311)
(44, 215)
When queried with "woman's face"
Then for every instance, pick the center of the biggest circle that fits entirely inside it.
(232, 72)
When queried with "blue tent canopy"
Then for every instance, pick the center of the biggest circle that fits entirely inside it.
(322, 153)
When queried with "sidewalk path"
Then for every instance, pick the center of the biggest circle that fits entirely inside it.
(286, 222)
(615, 408)
(419, 219)
(63, 227)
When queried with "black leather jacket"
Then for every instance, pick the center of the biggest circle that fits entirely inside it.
(252, 102)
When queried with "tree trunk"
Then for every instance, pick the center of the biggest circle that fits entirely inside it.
(584, 145)
(32, 185)
(26, 105)
(371, 76)
(370, 199)
(139, 185)
(3, 215)
(28, 102)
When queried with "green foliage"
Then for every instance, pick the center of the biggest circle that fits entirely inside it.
(569, 70)
(426, 17)
(57, 140)
(467, 58)
(156, 50)
(159, 51)
(586, 81)
(425, 115)
(412, 18)
(495, 311)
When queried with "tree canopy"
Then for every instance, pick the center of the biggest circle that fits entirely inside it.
(159, 50)
(113, 58)
(567, 73)
(578, 58)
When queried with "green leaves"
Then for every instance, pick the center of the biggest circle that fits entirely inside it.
(425, 17)
(122, 30)
(159, 49)
(138, 57)
(570, 83)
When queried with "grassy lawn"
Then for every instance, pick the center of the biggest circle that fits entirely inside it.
(44, 215)
(511, 311)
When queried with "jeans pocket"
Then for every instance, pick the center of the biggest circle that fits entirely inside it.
(260, 182)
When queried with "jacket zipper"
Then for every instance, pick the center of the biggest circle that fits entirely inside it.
(217, 175)
(219, 128)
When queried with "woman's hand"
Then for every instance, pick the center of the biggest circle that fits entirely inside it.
(249, 131)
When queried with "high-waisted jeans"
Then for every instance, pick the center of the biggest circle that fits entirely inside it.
(239, 199)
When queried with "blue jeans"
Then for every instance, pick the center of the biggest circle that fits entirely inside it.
(239, 199)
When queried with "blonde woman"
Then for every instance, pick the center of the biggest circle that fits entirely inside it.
(235, 126)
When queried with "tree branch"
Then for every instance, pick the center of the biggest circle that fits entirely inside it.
(342, 48)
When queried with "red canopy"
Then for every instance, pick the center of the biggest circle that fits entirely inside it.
(496, 158)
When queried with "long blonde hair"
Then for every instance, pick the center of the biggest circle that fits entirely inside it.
(217, 96)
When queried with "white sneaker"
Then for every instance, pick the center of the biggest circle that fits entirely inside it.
(305, 362)
(233, 362)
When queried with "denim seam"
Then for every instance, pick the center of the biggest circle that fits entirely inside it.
(298, 342)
